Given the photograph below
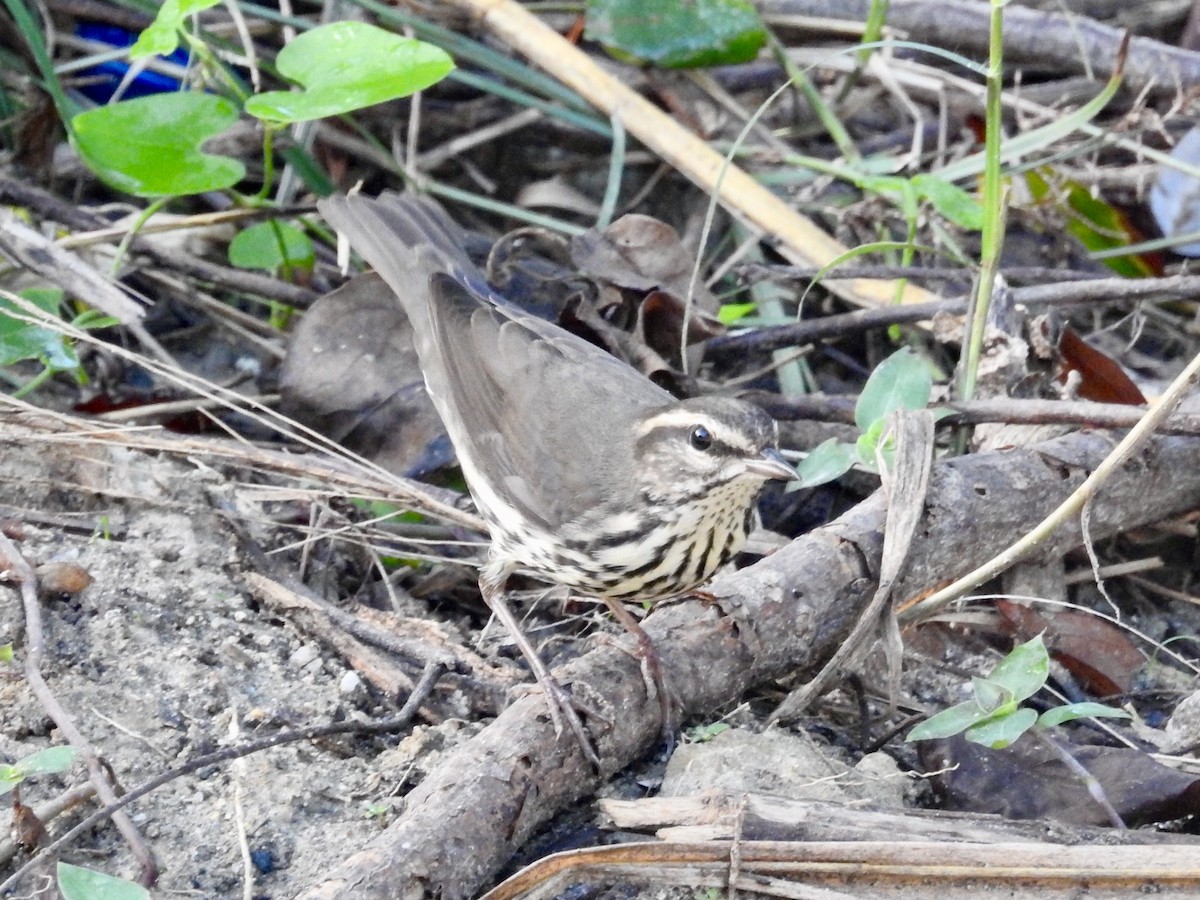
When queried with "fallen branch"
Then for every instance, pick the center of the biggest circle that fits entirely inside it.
(785, 613)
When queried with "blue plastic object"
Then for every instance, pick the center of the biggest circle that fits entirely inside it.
(100, 81)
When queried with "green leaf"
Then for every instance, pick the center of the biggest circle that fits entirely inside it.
(6, 653)
(949, 722)
(1071, 711)
(309, 170)
(22, 340)
(1024, 670)
(48, 761)
(703, 733)
(150, 147)
(1000, 731)
(993, 717)
(77, 883)
(44, 762)
(825, 462)
(162, 36)
(271, 245)
(10, 777)
(345, 66)
(951, 201)
(902, 381)
(677, 33)
(1097, 225)
(1036, 140)
(868, 443)
(731, 312)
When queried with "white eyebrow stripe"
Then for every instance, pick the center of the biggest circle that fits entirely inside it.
(684, 419)
(671, 418)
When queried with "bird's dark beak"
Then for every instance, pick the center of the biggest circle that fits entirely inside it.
(771, 465)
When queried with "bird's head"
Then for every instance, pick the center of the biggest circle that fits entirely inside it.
(697, 446)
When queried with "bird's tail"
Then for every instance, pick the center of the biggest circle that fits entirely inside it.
(406, 238)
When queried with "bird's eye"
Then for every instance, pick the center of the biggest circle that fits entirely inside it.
(700, 438)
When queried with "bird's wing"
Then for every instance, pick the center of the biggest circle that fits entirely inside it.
(545, 415)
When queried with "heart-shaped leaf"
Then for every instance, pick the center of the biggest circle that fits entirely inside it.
(150, 147)
(345, 66)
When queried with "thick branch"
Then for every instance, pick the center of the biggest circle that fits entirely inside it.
(785, 613)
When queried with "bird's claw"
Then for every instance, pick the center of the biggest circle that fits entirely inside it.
(564, 708)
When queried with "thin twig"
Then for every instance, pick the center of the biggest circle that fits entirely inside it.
(773, 337)
(839, 408)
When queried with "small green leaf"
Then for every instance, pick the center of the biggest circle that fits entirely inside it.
(271, 245)
(1024, 670)
(21, 340)
(77, 883)
(150, 147)
(6, 653)
(703, 733)
(677, 33)
(10, 777)
(868, 443)
(44, 762)
(949, 722)
(731, 312)
(162, 36)
(902, 381)
(48, 761)
(951, 201)
(1000, 731)
(1072, 711)
(309, 170)
(346, 66)
(825, 462)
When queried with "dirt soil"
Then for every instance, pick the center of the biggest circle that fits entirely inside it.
(166, 656)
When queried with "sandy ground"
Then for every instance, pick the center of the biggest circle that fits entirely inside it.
(166, 656)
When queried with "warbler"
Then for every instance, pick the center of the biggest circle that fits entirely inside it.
(587, 474)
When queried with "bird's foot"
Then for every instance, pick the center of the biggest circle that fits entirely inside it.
(652, 671)
(564, 708)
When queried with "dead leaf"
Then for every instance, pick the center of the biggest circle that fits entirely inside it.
(352, 374)
(1102, 378)
(1029, 780)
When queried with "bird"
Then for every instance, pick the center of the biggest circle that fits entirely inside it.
(587, 474)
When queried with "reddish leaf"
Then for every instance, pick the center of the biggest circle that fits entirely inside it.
(1104, 381)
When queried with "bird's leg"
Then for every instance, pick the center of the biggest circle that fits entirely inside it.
(652, 672)
(492, 579)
